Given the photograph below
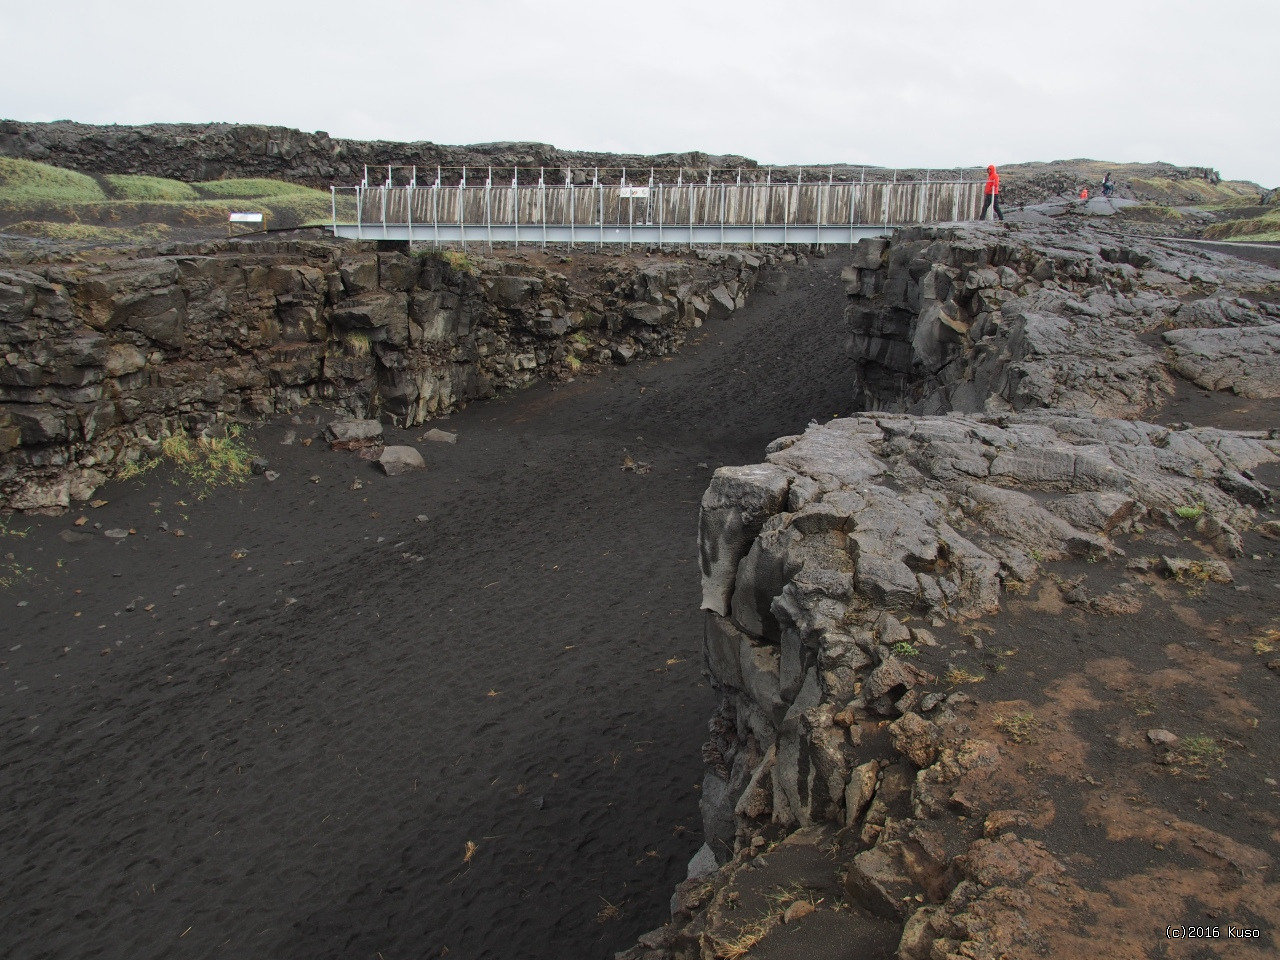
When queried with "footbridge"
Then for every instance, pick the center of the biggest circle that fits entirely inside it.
(662, 208)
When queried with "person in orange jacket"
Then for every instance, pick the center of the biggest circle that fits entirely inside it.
(991, 194)
(1084, 193)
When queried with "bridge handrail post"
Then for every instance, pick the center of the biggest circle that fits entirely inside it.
(822, 195)
(693, 205)
(488, 210)
(435, 212)
(462, 208)
(515, 203)
(648, 202)
(413, 182)
(568, 185)
(631, 205)
(888, 199)
(333, 197)
(542, 202)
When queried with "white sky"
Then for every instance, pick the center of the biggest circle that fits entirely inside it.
(895, 82)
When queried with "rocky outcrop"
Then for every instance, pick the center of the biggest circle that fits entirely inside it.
(813, 561)
(976, 320)
(195, 152)
(826, 571)
(1019, 363)
(1246, 362)
(99, 361)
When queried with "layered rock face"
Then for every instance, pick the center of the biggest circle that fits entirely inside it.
(1018, 364)
(971, 321)
(812, 561)
(101, 361)
(196, 152)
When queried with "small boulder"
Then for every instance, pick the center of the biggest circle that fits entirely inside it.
(351, 434)
(797, 910)
(397, 460)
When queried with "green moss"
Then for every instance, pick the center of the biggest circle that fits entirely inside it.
(27, 180)
(127, 187)
(459, 261)
(252, 188)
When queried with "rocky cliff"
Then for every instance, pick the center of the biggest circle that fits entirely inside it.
(103, 359)
(196, 152)
(1033, 318)
(877, 777)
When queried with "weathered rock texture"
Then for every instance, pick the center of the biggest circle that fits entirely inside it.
(820, 569)
(1022, 361)
(196, 152)
(867, 520)
(978, 321)
(99, 361)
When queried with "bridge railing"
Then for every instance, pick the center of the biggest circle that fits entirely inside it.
(684, 210)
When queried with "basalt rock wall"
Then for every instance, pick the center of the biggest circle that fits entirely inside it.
(848, 580)
(99, 361)
(986, 320)
(196, 152)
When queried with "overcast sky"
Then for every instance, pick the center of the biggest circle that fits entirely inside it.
(918, 83)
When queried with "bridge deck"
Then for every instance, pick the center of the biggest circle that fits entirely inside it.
(818, 211)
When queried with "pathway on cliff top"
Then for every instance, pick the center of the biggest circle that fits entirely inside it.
(279, 734)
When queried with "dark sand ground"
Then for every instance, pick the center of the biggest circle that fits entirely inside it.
(286, 753)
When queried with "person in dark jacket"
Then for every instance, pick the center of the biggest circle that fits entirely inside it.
(991, 194)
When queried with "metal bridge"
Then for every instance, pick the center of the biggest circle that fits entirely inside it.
(721, 209)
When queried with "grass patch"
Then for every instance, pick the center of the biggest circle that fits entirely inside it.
(1190, 513)
(1266, 643)
(27, 180)
(1143, 704)
(251, 188)
(1201, 751)
(459, 261)
(1020, 728)
(1162, 190)
(126, 187)
(1265, 227)
(905, 650)
(958, 675)
(206, 462)
(356, 344)
(1152, 213)
(11, 571)
(36, 192)
(747, 939)
(88, 233)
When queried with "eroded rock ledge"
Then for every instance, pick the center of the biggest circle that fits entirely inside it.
(860, 803)
(100, 361)
(824, 571)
